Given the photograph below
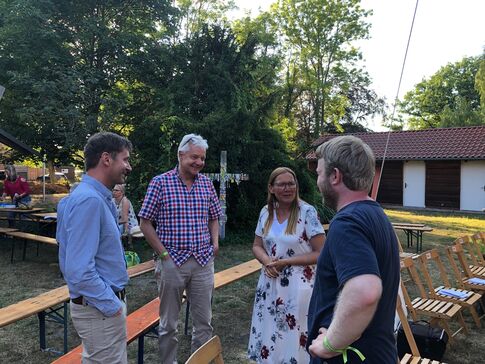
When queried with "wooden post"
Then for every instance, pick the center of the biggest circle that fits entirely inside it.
(222, 195)
(224, 178)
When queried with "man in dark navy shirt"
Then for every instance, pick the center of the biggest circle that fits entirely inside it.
(354, 300)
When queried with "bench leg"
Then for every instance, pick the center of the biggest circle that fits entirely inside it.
(13, 249)
(53, 316)
(419, 239)
(408, 238)
(141, 348)
(65, 327)
(41, 316)
(38, 244)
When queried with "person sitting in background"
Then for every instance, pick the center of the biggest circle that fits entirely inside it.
(18, 189)
(287, 242)
(126, 214)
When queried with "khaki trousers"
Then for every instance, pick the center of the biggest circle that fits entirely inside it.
(172, 280)
(103, 338)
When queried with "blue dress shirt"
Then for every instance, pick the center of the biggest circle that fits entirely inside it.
(91, 256)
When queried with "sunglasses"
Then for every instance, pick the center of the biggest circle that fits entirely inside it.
(186, 142)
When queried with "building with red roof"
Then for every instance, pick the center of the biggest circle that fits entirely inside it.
(438, 168)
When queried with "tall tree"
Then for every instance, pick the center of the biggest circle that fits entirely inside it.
(324, 84)
(447, 98)
(221, 89)
(69, 66)
(41, 101)
(195, 14)
(480, 83)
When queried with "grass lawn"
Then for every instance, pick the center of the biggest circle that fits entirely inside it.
(232, 305)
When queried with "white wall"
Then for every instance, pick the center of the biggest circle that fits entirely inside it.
(472, 193)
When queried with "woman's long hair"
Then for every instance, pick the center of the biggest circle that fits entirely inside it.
(273, 203)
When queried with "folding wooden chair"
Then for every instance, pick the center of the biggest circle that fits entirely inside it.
(211, 351)
(464, 276)
(468, 302)
(477, 269)
(478, 240)
(439, 311)
(415, 357)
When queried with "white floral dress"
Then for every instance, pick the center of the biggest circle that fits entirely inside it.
(279, 323)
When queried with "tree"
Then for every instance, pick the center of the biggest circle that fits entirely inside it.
(324, 86)
(221, 89)
(69, 67)
(40, 104)
(448, 98)
(195, 14)
(480, 83)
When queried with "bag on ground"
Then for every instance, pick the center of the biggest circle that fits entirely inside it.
(131, 258)
(431, 341)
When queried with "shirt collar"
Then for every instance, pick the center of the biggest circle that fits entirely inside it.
(176, 171)
(98, 186)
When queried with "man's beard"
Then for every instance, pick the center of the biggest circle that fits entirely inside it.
(329, 198)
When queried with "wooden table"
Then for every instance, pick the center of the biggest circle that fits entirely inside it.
(21, 211)
(407, 224)
(413, 231)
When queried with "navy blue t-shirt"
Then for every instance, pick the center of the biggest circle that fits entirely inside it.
(360, 241)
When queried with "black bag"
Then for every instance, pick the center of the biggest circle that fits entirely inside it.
(431, 341)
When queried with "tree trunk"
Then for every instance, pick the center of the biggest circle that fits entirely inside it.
(52, 171)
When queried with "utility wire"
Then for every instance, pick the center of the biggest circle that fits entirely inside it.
(396, 98)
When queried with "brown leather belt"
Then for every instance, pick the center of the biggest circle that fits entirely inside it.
(120, 294)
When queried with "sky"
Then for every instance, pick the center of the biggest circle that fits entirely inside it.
(444, 32)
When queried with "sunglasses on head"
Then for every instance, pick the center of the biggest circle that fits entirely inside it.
(186, 142)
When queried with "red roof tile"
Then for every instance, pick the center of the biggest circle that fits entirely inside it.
(442, 143)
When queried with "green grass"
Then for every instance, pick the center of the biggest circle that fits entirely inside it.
(232, 305)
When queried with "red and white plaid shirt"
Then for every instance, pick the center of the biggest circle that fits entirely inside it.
(182, 216)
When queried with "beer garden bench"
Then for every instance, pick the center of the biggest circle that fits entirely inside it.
(49, 305)
(144, 320)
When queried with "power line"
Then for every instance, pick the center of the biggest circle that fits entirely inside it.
(396, 98)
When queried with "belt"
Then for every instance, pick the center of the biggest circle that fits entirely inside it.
(80, 300)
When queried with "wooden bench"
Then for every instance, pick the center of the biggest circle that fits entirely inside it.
(4, 230)
(146, 318)
(49, 304)
(29, 237)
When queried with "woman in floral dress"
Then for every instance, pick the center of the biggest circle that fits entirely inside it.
(287, 242)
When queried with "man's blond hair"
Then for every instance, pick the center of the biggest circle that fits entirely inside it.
(353, 158)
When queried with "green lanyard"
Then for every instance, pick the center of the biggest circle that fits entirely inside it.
(328, 346)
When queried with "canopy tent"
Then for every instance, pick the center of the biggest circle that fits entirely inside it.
(12, 142)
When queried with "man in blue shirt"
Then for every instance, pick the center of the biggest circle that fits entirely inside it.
(353, 304)
(91, 255)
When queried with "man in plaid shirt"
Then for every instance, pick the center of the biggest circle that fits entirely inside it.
(184, 206)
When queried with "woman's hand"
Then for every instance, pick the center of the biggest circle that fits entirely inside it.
(273, 268)
(278, 264)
